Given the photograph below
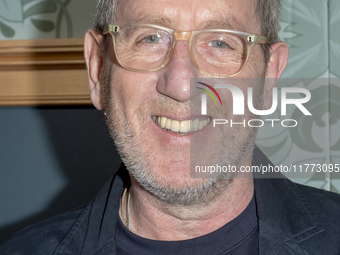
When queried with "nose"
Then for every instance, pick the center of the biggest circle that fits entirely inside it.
(175, 77)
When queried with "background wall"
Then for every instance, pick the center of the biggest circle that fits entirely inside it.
(53, 159)
(45, 19)
(311, 29)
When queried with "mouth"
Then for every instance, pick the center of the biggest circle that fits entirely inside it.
(181, 127)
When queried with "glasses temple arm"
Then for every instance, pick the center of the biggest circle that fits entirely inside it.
(262, 39)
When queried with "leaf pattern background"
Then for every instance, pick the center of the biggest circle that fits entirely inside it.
(309, 27)
(44, 19)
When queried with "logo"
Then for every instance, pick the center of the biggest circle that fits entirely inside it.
(239, 103)
(212, 89)
(238, 99)
(204, 97)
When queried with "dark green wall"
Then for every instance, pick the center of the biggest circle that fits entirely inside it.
(51, 160)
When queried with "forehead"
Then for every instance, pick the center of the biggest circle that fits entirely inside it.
(187, 15)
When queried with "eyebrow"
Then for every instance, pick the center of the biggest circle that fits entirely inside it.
(155, 20)
(230, 23)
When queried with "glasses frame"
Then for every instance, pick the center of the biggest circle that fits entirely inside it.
(250, 39)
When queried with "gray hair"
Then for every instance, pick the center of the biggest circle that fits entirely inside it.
(267, 12)
(105, 14)
(268, 16)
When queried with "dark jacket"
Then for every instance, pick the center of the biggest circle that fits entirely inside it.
(293, 219)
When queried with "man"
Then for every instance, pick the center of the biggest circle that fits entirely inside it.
(140, 59)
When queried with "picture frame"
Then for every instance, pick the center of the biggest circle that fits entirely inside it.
(43, 72)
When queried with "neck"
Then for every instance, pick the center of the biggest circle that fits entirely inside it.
(152, 219)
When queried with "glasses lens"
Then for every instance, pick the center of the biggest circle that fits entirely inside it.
(219, 53)
(143, 48)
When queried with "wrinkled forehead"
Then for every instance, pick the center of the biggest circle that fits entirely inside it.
(187, 15)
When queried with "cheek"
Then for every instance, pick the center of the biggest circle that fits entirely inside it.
(132, 86)
(131, 89)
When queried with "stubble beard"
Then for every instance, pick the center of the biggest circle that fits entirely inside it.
(137, 160)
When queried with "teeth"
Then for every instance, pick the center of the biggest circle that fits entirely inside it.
(174, 125)
(183, 126)
(168, 124)
(201, 125)
(196, 124)
(163, 121)
(206, 122)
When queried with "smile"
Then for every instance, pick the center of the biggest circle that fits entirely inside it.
(183, 127)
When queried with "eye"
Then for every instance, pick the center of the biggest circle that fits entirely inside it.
(152, 39)
(218, 44)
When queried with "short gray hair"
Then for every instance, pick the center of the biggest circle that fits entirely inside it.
(267, 12)
(268, 16)
(105, 14)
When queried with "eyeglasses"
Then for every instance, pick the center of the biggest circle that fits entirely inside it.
(217, 53)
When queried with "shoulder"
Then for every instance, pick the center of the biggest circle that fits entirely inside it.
(321, 202)
(320, 199)
(316, 197)
(43, 237)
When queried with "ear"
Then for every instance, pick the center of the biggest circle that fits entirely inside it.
(276, 65)
(94, 62)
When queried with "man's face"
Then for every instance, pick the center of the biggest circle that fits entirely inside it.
(158, 159)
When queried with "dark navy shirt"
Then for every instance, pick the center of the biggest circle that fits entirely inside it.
(240, 236)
